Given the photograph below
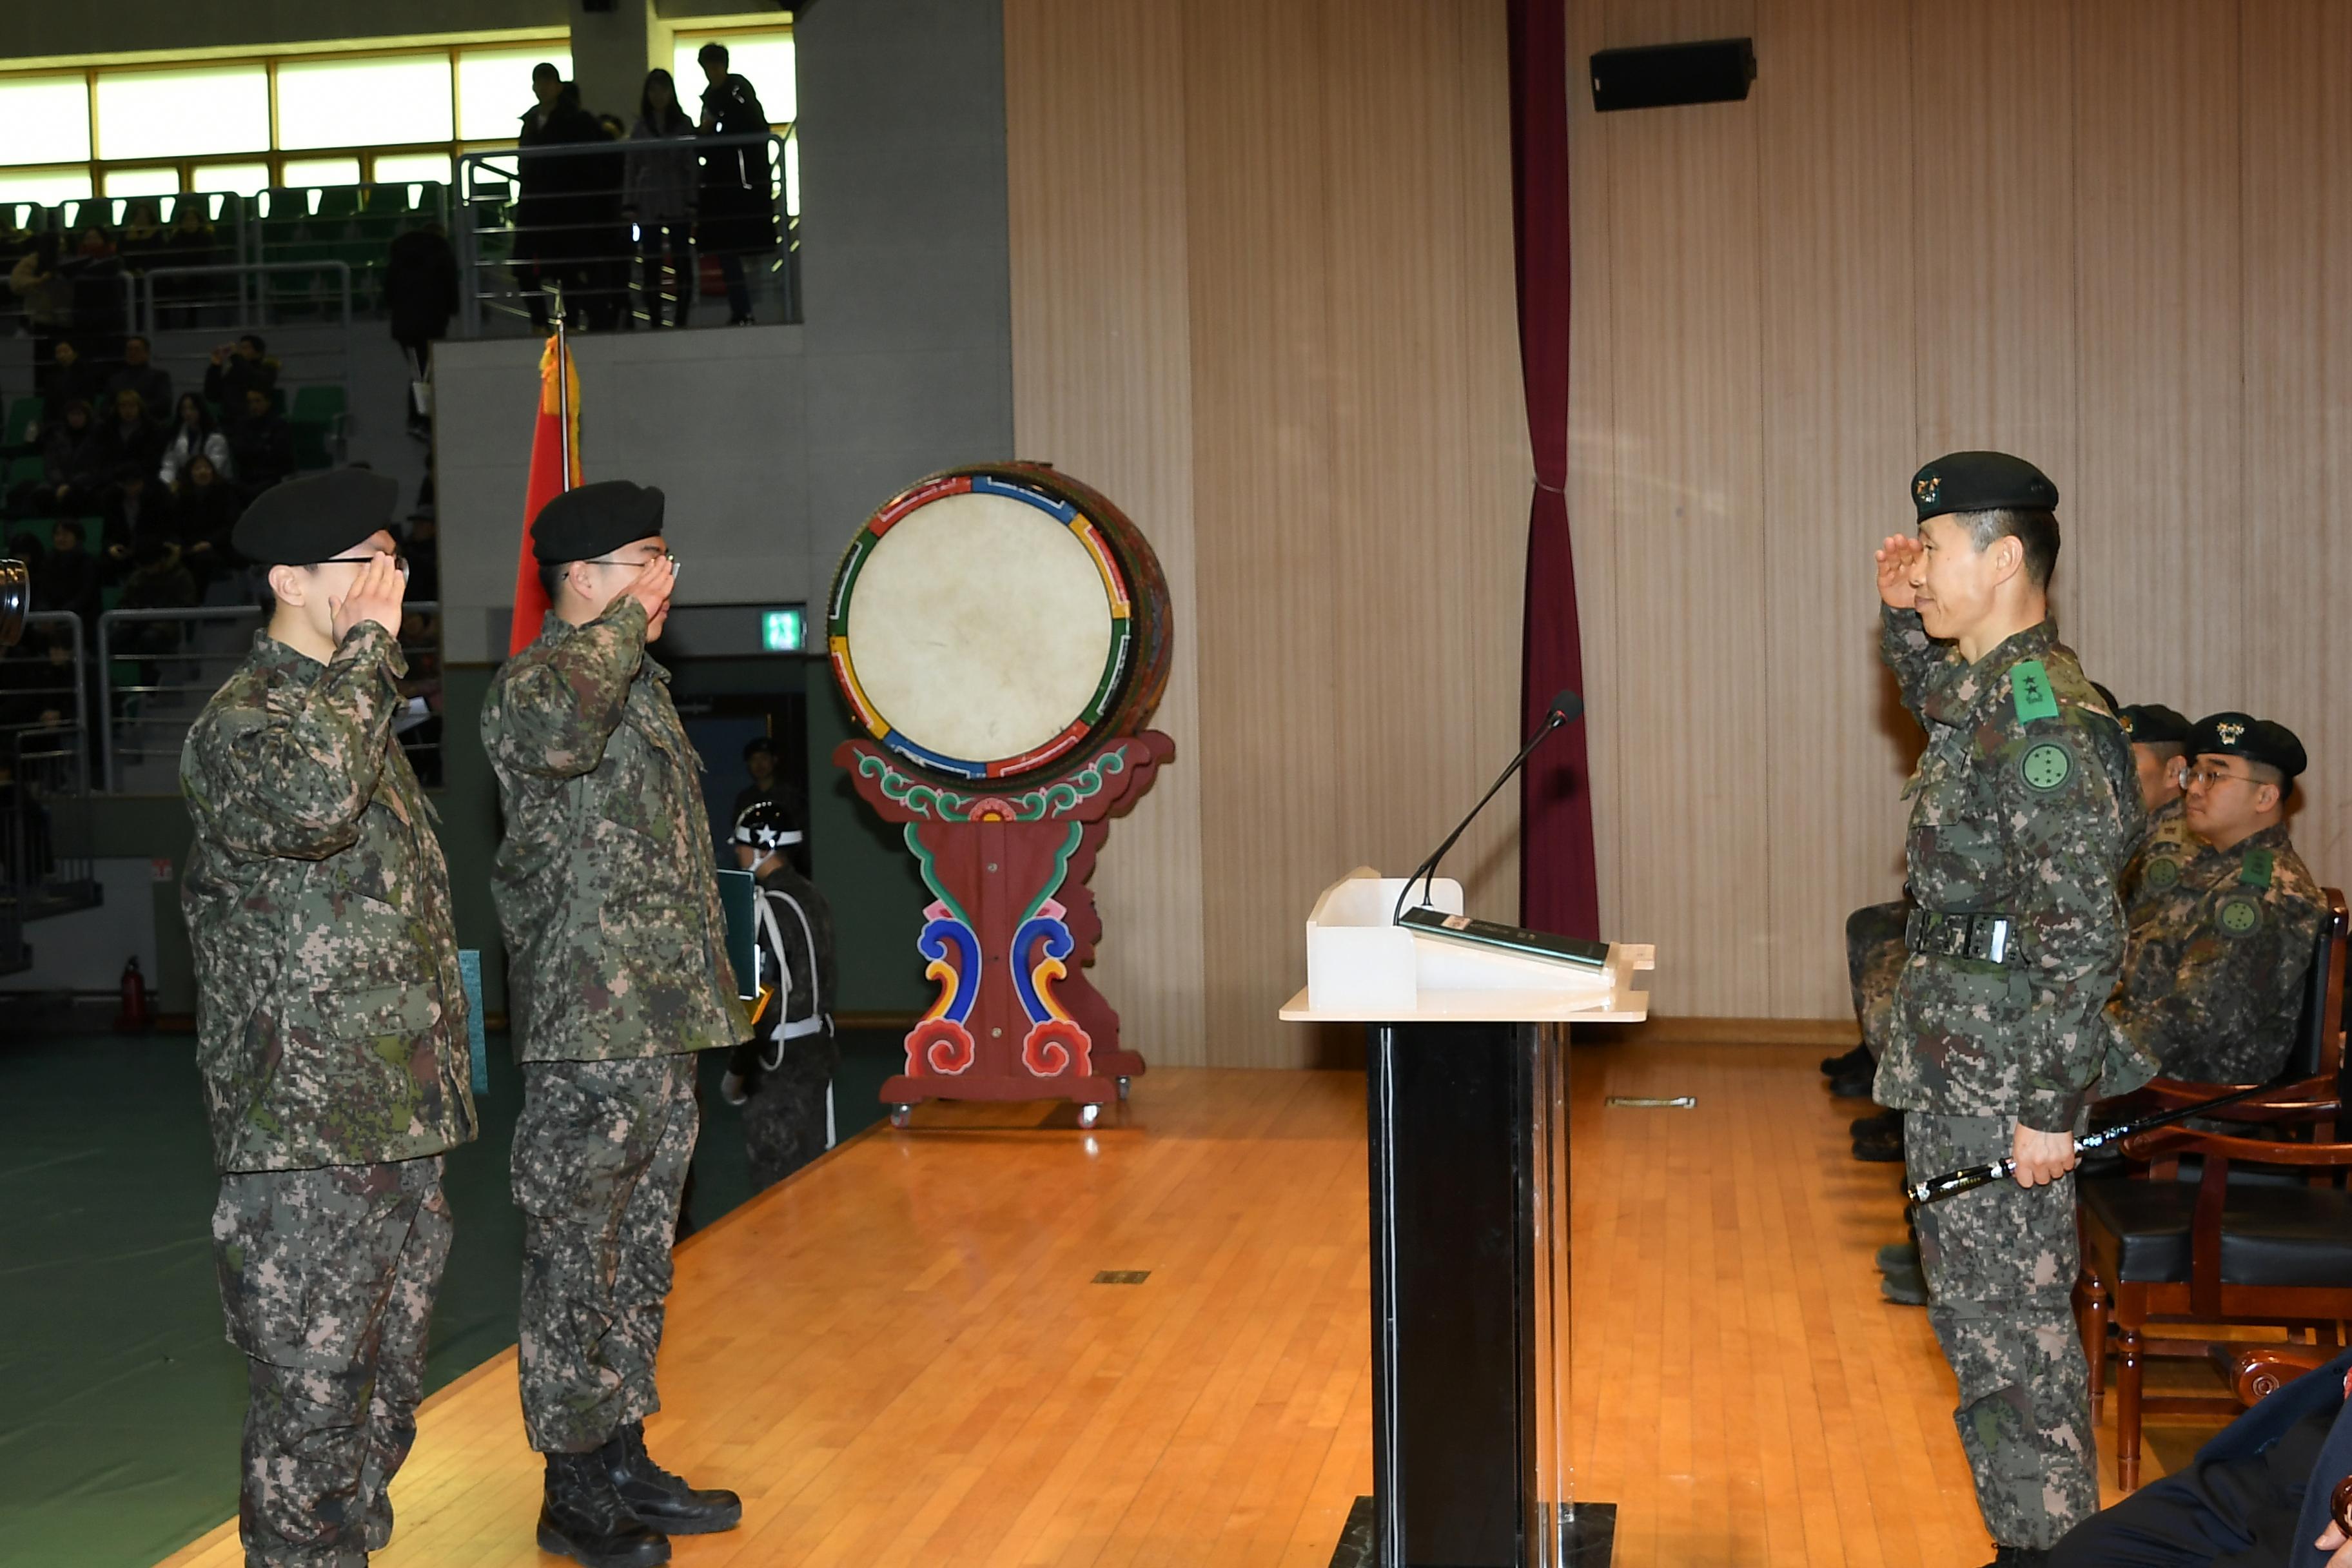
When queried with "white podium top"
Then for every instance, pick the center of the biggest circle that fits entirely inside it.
(1362, 968)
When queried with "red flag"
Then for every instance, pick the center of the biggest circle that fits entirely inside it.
(555, 469)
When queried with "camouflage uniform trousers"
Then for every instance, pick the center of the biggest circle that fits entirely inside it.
(2001, 1264)
(1874, 956)
(784, 1120)
(601, 1153)
(327, 1278)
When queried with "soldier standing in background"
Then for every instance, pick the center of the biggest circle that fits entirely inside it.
(2023, 809)
(784, 1073)
(607, 893)
(331, 1024)
(2227, 915)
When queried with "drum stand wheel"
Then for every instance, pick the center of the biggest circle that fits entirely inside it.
(901, 1114)
(1088, 1114)
(1122, 1088)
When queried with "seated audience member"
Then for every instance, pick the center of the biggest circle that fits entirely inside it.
(193, 435)
(43, 290)
(236, 368)
(2224, 924)
(157, 580)
(142, 374)
(67, 579)
(71, 378)
(191, 241)
(260, 445)
(2260, 1494)
(135, 506)
(141, 246)
(2159, 742)
(204, 510)
(130, 439)
(73, 466)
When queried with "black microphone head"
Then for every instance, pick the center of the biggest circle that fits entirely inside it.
(1566, 707)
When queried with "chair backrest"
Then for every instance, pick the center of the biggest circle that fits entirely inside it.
(2318, 1046)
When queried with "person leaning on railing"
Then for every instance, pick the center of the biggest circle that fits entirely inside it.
(659, 196)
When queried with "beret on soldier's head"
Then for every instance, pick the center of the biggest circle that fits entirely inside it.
(301, 522)
(1980, 481)
(581, 524)
(2264, 741)
(2154, 724)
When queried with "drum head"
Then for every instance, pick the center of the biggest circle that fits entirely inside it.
(980, 626)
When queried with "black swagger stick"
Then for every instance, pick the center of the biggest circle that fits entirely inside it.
(1969, 1178)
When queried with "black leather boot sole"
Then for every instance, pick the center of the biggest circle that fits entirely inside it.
(640, 1548)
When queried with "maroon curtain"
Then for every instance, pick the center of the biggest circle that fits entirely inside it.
(1557, 889)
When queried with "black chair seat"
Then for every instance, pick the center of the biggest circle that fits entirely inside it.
(2270, 1234)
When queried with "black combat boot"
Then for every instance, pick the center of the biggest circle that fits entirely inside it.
(2019, 1557)
(661, 1499)
(585, 1519)
(1847, 1063)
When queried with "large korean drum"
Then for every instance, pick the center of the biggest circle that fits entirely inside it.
(998, 622)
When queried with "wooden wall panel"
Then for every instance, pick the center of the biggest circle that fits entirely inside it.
(1102, 388)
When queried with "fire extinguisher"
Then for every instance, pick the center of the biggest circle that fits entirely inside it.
(135, 1014)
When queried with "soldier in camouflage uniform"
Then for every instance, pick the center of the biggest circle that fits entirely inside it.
(331, 1023)
(2023, 812)
(2159, 738)
(2227, 915)
(607, 893)
(785, 1071)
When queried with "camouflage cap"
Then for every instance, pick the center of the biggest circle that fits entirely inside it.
(2264, 741)
(2154, 724)
(301, 522)
(1980, 481)
(581, 524)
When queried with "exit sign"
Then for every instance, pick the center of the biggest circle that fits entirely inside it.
(783, 631)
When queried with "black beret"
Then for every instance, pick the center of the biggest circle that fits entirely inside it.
(2243, 735)
(303, 522)
(2154, 724)
(581, 524)
(1980, 481)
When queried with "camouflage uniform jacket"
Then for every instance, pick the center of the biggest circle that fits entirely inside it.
(605, 884)
(331, 1021)
(2167, 838)
(2213, 980)
(2023, 803)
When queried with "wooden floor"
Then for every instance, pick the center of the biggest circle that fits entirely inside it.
(900, 1357)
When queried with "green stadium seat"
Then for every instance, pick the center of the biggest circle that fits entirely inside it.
(21, 471)
(322, 404)
(336, 201)
(23, 415)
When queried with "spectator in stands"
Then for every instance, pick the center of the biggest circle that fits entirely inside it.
(738, 206)
(204, 510)
(156, 579)
(195, 436)
(608, 247)
(130, 441)
(260, 445)
(41, 286)
(67, 579)
(555, 216)
(101, 302)
(142, 374)
(236, 368)
(135, 505)
(71, 379)
(420, 294)
(190, 242)
(73, 466)
(141, 244)
(660, 199)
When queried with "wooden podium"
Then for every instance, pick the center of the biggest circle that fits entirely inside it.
(1466, 1081)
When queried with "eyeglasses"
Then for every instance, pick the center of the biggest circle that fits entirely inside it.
(635, 565)
(399, 562)
(2210, 777)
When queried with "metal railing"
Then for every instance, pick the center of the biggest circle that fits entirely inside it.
(35, 681)
(585, 244)
(156, 670)
(44, 849)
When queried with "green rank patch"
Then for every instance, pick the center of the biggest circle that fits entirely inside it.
(2162, 874)
(2029, 688)
(2046, 766)
(2254, 870)
(2241, 917)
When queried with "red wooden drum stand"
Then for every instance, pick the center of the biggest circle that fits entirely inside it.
(1009, 928)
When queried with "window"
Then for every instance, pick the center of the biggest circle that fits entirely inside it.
(46, 186)
(236, 179)
(321, 171)
(494, 88)
(363, 102)
(175, 113)
(408, 168)
(148, 182)
(763, 59)
(48, 119)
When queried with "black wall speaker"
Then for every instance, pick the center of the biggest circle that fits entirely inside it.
(1666, 74)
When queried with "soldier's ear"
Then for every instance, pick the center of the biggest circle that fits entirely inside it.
(286, 584)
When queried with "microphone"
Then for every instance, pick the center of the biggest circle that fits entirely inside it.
(1566, 707)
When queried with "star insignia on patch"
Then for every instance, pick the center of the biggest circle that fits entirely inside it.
(2046, 766)
(2229, 732)
(2240, 916)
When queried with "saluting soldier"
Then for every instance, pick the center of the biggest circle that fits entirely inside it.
(331, 1023)
(2023, 808)
(609, 899)
(2227, 916)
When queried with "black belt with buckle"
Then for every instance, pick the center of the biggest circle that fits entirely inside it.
(1986, 938)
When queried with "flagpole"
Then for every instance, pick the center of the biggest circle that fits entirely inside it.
(563, 394)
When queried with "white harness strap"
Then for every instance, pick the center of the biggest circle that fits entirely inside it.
(788, 1029)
